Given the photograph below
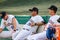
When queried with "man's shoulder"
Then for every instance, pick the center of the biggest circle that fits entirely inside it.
(38, 16)
(55, 16)
(10, 15)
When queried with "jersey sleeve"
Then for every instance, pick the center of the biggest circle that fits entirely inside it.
(39, 19)
(2, 24)
(12, 16)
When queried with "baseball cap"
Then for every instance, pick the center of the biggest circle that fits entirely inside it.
(34, 9)
(2, 14)
(53, 7)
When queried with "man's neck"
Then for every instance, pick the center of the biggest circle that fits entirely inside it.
(53, 14)
(34, 15)
(7, 18)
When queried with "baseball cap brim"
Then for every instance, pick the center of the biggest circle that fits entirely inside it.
(49, 8)
(30, 10)
(34, 9)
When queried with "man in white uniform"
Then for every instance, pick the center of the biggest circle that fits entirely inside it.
(31, 26)
(52, 21)
(10, 22)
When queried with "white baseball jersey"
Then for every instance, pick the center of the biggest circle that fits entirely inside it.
(42, 35)
(52, 20)
(34, 19)
(8, 23)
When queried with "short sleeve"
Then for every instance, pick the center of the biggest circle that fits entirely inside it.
(39, 19)
(12, 16)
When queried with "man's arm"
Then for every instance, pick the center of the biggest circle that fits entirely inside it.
(14, 23)
(38, 24)
(56, 25)
(1, 30)
(2, 26)
(40, 21)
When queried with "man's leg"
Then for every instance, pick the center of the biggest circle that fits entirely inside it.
(22, 34)
(15, 34)
(39, 36)
(5, 34)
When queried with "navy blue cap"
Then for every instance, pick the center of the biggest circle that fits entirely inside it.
(2, 14)
(34, 9)
(53, 7)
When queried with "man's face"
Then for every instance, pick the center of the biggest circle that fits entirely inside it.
(34, 13)
(51, 12)
(6, 16)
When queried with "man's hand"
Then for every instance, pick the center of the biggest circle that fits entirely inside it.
(38, 24)
(56, 25)
(1, 30)
(13, 31)
(32, 24)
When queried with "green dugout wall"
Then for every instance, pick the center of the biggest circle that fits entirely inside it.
(24, 19)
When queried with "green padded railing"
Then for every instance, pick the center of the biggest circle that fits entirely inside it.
(24, 19)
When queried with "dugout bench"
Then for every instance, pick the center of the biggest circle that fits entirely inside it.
(23, 20)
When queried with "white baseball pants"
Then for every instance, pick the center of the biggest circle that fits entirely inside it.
(22, 35)
(39, 36)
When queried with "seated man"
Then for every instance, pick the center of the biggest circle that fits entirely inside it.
(10, 22)
(31, 26)
(52, 22)
(51, 32)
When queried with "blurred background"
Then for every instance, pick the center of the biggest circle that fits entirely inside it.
(20, 7)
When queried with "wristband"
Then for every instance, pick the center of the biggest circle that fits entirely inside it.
(14, 30)
(35, 23)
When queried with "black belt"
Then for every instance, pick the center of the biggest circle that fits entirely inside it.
(25, 29)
